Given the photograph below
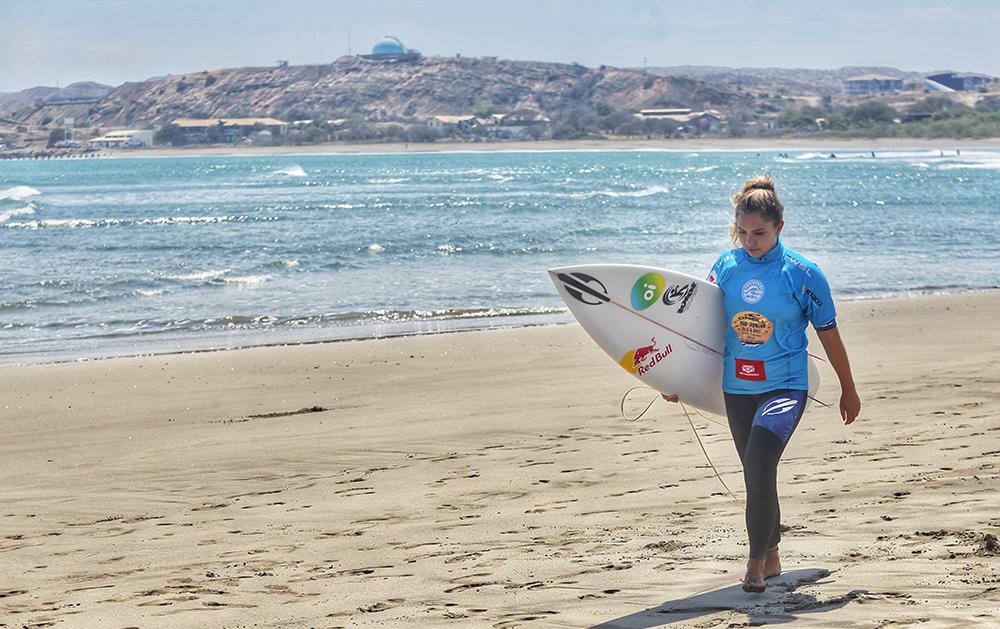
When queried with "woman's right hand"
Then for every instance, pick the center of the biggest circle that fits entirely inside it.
(670, 398)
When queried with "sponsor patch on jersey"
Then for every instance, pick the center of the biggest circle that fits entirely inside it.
(750, 369)
(753, 291)
(812, 296)
(752, 328)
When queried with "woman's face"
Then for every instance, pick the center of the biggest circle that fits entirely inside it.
(757, 234)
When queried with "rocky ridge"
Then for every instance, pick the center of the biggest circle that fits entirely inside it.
(352, 86)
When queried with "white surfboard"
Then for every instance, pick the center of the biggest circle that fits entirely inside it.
(665, 328)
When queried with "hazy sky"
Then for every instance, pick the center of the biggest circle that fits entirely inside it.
(50, 42)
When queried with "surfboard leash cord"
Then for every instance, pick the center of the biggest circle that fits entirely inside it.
(697, 437)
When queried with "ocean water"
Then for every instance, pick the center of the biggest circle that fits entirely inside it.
(131, 255)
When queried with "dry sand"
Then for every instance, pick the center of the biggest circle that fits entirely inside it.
(485, 479)
(688, 144)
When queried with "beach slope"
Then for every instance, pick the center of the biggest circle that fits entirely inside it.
(486, 479)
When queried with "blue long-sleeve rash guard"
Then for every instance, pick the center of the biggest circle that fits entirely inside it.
(768, 303)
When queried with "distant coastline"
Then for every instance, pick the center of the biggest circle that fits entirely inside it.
(616, 144)
(702, 144)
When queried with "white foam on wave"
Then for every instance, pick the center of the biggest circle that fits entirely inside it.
(14, 202)
(386, 180)
(339, 206)
(18, 193)
(247, 280)
(18, 211)
(142, 292)
(76, 223)
(291, 171)
(58, 223)
(987, 164)
(645, 192)
(374, 248)
(191, 220)
(203, 276)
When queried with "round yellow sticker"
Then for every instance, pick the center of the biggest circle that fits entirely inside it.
(752, 328)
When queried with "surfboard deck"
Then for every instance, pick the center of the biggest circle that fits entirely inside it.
(664, 327)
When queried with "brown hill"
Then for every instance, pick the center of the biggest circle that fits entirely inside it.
(795, 81)
(85, 92)
(352, 86)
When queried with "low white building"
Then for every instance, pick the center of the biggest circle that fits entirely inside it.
(463, 123)
(692, 121)
(126, 138)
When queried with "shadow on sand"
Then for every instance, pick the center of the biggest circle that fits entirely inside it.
(779, 604)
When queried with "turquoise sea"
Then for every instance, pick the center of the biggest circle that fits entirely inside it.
(120, 256)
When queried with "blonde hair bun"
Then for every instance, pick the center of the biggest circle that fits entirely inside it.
(763, 182)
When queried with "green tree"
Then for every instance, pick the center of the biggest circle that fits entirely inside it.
(215, 134)
(421, 133)
(871, 112)
(57, 135)
(989, 104)
(936, 105)
(801, 119)
(169, 134)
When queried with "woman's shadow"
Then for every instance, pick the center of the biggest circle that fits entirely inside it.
(779, 604)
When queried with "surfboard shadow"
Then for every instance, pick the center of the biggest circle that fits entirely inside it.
(779, 604)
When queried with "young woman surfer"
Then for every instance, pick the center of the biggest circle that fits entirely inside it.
(770, 294)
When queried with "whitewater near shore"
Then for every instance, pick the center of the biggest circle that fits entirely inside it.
(486, 479)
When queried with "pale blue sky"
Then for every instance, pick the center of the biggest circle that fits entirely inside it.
(49, 42)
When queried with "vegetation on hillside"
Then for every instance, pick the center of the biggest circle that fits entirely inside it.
(931, 117)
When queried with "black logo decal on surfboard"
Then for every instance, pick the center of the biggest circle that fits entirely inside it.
(680, 293)
(581, 287)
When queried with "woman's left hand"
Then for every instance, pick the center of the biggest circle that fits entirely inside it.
(850, 406)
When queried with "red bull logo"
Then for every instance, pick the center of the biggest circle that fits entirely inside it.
(641, 359)
(642, 352)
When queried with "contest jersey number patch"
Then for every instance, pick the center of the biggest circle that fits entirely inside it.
(752, 328)
(646, 290)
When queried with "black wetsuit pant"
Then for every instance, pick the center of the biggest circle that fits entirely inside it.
(761, 425)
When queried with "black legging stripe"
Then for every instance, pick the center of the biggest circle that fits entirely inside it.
(761, 425)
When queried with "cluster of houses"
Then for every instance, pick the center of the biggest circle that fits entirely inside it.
(945, 82)
(524, 124)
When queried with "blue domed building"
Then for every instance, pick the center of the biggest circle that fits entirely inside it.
(389, 48)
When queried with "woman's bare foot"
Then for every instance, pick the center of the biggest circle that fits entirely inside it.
(772, 563)
(753, 580)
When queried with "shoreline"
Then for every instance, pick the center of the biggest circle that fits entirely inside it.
(253, 339)
(706, 144)
(691, 144)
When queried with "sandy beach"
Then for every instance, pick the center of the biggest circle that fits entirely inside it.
(486, 479)
(616, 144)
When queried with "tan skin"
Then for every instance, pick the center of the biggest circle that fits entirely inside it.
(758, 235)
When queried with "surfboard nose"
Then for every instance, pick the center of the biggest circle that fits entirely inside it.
(561, 269)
